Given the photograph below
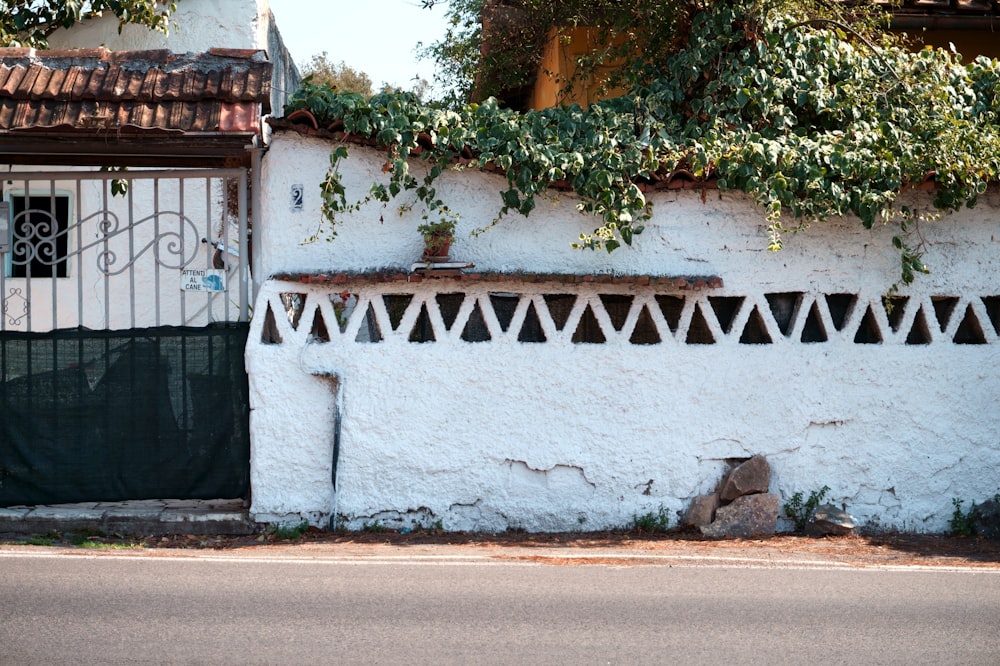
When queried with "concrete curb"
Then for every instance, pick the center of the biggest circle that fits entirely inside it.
(146, 517)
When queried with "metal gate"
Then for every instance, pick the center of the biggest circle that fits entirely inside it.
(113, 251)
(125, 297)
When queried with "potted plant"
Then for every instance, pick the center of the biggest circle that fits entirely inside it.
(438, 237)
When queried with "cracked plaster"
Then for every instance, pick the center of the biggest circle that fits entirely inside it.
(489, 436)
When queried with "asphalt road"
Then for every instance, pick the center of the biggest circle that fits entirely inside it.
(57, 608)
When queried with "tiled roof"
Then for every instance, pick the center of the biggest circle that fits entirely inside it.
(88, 90)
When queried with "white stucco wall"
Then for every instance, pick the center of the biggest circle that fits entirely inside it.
(196, 26)
(557, 435)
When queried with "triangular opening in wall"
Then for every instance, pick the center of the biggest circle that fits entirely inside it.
(671, 307)
(645, 332)
(294, 304)
(895, 306)
(588, 330)
(343, 307)
(755, 331)
(269, 334)
(840, 307)
(531, 329)
(919, 333)
(448, 306)
(868, 332)
(559, 305)
(944, 306)
(318, 331)
(813, 330)
(783, 307)
(970, 331)
(475, 328)
(395, 305)
(422, 330)
(370, 331)
(725, 308)
(617, 306)
(992, 304)
(503, 307)
(698, 331)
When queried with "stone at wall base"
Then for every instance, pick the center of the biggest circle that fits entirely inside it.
(750, 478)
(828, 520)
(701, 510)
(986, 519)
(747, 516)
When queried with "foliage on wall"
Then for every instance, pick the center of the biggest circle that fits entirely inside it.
(807, 117)
(494, 47)
(29, 24)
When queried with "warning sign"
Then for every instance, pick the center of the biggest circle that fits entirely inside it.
(207, 280)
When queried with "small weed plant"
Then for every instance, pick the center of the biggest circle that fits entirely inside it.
(961, 521)
(85, 535)
(291, 532)
(651, 522)
(375, 526)
(46, 539)
(801, 512)
(96, 543)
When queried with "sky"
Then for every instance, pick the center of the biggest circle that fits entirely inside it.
(377, 37)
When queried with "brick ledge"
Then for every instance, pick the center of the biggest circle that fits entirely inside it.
(678, 282)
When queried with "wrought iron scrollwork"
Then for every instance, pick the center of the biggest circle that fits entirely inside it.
(174, 248)
(37, 237)
(10, 306)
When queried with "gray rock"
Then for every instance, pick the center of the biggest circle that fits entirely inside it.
(750, 515)
(986, 519)
(701, 510)
(753, 476)
(829, 520)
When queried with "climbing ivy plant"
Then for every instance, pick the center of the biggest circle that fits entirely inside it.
(29, 23)
(807, 117)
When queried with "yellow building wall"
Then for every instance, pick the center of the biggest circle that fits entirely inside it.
(565, 47)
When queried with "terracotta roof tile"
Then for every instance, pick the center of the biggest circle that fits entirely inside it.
(224, 90)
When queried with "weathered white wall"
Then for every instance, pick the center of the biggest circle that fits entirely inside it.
(196, 26)
(557, 435)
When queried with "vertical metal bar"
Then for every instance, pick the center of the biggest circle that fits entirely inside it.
(226, 240)
(105, 244)
(55, 258)
(78, 266)
(4, 259)
(156, 234)
(131, 251)
(253, 248)
(210, 296)
(180, 221)
(27, 266)
(244, 250)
